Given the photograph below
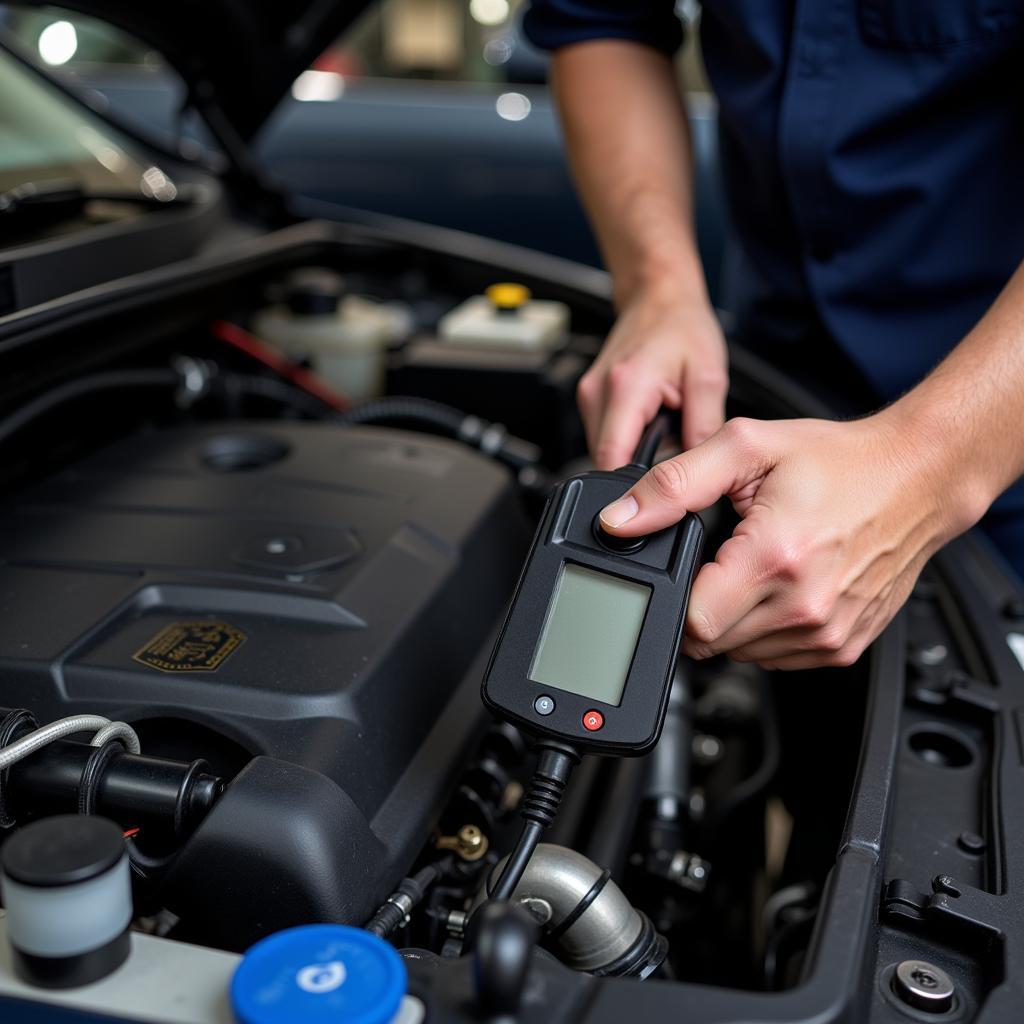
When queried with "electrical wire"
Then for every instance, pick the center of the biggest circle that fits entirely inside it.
(540, 805)
(109, 380)
(657, 430)
(492, 439)
(103, 727)
(117, 731)
(255, 348)
(395, 910)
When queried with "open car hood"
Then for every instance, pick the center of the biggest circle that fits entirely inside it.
(237, 57)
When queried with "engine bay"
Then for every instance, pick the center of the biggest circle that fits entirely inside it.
(290, 600)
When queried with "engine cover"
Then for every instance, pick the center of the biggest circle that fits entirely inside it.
(317, 599)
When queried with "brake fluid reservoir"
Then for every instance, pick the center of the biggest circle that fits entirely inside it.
(344, 338)
(506, 317)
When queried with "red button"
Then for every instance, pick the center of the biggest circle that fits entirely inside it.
(593, 720)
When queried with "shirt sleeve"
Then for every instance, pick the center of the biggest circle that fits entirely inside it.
(551, 24)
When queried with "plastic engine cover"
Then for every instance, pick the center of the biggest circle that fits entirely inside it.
(320, 599)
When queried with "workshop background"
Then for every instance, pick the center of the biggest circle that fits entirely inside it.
(432, 110)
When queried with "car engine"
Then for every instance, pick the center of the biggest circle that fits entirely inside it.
(248, 624)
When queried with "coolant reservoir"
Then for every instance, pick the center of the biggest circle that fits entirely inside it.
(506, 317)
(344, 338)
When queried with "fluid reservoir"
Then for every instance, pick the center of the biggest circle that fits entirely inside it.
(327, 973)
(506, 317)
(67, 891)
(343, 337)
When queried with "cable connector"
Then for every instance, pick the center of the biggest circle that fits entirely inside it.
(195, 377)
(540, 805)
(555, 765)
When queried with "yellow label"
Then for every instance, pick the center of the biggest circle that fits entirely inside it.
(190, 647)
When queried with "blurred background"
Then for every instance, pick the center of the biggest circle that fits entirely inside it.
(432, 110)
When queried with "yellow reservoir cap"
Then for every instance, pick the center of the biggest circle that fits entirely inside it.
(508, 295)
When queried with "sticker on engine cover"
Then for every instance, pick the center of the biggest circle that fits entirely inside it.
(190, 647)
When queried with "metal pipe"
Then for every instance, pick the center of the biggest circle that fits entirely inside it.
(581, 909)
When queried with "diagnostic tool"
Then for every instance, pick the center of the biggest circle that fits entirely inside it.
(589, 646)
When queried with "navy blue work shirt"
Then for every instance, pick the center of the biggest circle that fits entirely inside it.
(873, 159)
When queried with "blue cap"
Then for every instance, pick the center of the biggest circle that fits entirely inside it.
(319, 972)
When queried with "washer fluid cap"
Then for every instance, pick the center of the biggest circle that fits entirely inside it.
(508, 296)
(319, 972)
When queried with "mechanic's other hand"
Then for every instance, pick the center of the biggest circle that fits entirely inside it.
(661, 352)
(837, 521)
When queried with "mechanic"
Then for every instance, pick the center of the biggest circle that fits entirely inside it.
(873, 159)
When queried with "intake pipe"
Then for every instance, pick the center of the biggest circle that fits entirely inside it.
(585, 915)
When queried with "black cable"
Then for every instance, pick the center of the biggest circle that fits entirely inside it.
(410, 892)
(109, 380)
(145, 865)
(540, 805)
(491, 438)
(657, 430)
(276, 390)
(419, 411)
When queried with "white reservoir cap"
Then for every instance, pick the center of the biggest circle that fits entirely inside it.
(67, 890)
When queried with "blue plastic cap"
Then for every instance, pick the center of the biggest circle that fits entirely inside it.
(319, 972)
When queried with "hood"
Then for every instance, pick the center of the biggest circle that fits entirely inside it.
(237, 57)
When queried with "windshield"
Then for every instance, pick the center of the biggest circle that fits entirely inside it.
(46, 137)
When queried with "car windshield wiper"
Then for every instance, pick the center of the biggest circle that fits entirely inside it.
(52, 200)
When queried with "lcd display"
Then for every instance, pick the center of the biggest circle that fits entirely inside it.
(590, 633)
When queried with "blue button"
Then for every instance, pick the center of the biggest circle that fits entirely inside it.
(319, 972)
(544, 705)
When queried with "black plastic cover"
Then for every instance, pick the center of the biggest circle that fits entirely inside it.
(322, 596)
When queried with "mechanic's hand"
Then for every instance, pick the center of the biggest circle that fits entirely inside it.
(660, 352)
(838, 520)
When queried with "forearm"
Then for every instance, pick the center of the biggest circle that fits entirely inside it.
(629, 146)
(968, 414)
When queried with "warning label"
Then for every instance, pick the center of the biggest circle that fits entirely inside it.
(190, 647)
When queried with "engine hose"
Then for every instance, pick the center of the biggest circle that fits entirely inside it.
(110, 380)
(146, 866)
(276, 390)
(490, 438)
(586, 915)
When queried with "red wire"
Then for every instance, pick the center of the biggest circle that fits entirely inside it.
(240, 339)
(130, 832)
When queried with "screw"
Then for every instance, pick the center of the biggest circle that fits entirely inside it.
(924, 986)
(276, 546)
(470, 840)
(469, 843)
(540, 910)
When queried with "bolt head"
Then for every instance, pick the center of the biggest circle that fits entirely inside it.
(471, 836)
(924, 986)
